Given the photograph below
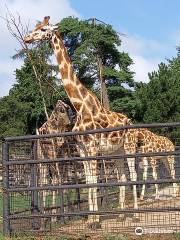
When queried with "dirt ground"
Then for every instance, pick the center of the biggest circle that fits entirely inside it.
(110, 237)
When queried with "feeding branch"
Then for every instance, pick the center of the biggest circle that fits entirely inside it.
(19, 31)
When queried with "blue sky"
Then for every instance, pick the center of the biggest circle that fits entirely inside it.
(152, 19)
(152, 28)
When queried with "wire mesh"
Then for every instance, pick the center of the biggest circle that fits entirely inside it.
(73, 187)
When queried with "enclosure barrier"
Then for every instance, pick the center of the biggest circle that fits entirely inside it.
(46, 188)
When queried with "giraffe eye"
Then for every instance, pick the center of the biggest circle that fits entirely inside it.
(43, 30)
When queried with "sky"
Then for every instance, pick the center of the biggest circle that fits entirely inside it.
(152, 29)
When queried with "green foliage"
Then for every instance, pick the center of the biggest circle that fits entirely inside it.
(115, 237)
(177, 236)
(22, 110)
(160, 98)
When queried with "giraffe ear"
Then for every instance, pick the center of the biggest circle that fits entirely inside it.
(127, 121)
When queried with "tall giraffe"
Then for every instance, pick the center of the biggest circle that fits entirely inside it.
(91, 115)
(152, 142)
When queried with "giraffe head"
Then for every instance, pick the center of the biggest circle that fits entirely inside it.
(42, 31)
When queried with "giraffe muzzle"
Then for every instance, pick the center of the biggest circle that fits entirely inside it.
(28, 40)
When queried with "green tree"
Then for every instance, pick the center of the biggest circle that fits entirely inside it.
(22, 110)
(159, 100)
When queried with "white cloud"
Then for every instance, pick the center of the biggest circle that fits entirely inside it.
(138, 45)
(143, 66)
(175, 37)
(146, 55)
(36, 9)
(7, 75)
(31, 10)
(6, 81)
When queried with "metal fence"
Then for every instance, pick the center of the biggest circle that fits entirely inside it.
(49, 186)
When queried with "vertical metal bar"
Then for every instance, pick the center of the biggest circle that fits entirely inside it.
(62, 205)
(102, 180)
(137, 168)
(34, 193)
(105, 190)
(78, 199)
(77, 189)
(6, 198)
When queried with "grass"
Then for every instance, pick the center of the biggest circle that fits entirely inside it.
(1, 205)
(177, 236)
(115, 237)
(20, 202)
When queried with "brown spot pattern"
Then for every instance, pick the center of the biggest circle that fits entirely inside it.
(77, 106)
(72, 92)
(83, 91)
(55, 40)
(64, 71)
(59, 57)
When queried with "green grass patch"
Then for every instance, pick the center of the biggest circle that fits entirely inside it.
(177, 236)
(1, 205)
(115, 237)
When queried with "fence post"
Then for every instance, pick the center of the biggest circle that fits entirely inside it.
(34, 193)
(62, 205)
(6, 200)
(102, 190)
(77, 189)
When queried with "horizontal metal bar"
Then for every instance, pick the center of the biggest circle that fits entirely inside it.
(100, 130)
(109, 184)
(105, 212)
(89, 158)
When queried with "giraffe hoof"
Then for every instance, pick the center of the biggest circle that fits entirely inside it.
(135, 219)
(175, 194)
(94, 225)
(121, 218)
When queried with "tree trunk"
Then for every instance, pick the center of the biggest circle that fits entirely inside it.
(104, 94)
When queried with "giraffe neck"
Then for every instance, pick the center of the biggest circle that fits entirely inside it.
(78, 94)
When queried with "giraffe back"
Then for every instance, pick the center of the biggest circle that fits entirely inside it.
(152, 142)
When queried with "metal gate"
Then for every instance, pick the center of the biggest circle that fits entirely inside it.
(46, 190)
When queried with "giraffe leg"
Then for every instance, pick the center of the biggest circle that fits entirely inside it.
(43, 194)
(121, 178)
(54, 194)
(93, 220)
(155, 178)
(171, 162)
(43, 181)
(133, 177)
(145, 165)
(130, 148)
(90, 168)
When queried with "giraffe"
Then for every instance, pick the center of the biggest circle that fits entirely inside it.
(152, 142)
(91, 115)
(58, 121)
